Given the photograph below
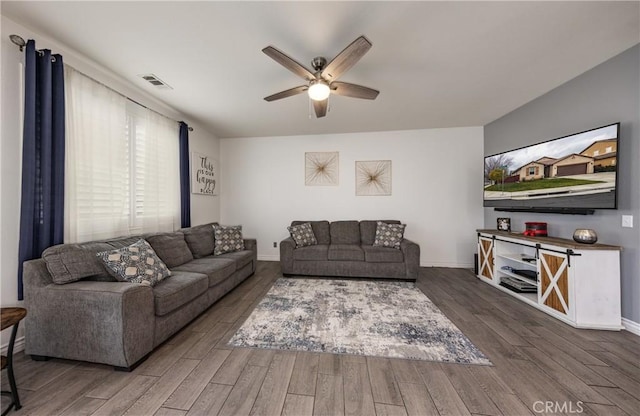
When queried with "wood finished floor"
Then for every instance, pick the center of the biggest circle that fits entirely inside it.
(538, 361)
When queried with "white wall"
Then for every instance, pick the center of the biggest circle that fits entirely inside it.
(436, 187)
(203, 209)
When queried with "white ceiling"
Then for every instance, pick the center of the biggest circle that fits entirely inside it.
(436, 64)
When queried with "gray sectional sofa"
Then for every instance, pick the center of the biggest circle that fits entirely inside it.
(345, 249)
(78, 311)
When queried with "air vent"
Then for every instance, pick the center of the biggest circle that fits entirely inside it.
(155, 81)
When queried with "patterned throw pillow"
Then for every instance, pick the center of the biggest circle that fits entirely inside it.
(303, 235)
(137, 263)
(389, 235)
(227, 239)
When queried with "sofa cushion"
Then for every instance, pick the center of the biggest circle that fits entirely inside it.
(303, 235)
(345, 232)
(227, 239)
(199, 239)
(215, 268)
(350, 252)
(137, 263)
(368, 230)
(373, 254)
(71, 262)
(242, 257)
(389, 235)
(171, 248)
(181, 288)
(317, 252)
(320, 230)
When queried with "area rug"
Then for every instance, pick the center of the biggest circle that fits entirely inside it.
(373, 318)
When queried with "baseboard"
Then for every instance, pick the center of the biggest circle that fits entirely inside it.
(17, 347)
(631, 326)
(269, 257)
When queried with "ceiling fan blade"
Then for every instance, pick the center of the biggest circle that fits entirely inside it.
(320, 107)
(353, 90)
(289, 63)
(346, 59)
(287, 93)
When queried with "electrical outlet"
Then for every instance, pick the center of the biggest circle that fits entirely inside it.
(627, 221)
(275, 245)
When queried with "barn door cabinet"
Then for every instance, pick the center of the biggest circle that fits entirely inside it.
(577, 283)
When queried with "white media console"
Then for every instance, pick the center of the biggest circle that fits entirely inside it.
(577, 283)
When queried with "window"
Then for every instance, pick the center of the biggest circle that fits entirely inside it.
(596, 152)
(609, 149)
(121, 168)
(532, 170)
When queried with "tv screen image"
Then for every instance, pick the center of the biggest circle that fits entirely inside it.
(571, 172)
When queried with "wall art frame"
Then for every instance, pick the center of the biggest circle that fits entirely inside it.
(373, 178)
(204, 174)
(504, 224)
(321, 168)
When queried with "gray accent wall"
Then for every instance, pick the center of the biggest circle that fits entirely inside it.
(605, 94)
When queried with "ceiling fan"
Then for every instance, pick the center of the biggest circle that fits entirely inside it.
(323, 81)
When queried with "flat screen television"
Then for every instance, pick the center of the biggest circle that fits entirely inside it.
(570, 174)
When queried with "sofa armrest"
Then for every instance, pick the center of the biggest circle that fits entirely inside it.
(105, 322)
(252, 244)
(286, 255)
(411, 252)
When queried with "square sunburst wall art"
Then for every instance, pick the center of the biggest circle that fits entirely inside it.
(321, 168)
(373, 178)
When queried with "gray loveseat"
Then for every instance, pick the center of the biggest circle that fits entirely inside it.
(78, 311)
(345, 249)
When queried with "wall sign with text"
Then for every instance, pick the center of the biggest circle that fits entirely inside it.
(204, 175)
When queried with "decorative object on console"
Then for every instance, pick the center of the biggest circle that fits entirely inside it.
(373, 178)
(504, 224)
(137, 263)
(227, 239)
(322, 315)
(204, 175)
(389, 235)
(321, 168)
(585, 236)
(303, 235)
(535, 229)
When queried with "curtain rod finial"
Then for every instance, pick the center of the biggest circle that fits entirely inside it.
(18, 40)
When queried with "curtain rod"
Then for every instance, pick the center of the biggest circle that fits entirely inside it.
(19, 41)
(121, 94)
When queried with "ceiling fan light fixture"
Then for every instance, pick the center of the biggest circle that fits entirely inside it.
(319, 90)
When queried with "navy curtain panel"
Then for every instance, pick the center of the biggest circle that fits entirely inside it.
(42, 203)
(185, 194)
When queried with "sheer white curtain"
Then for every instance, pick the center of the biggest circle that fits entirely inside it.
(96, 162)
(156, 182)
(122, 164)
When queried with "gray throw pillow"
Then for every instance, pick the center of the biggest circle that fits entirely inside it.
(389, 235)
(303, 235)
(227, 239)
(137, 263)
(200, 240)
